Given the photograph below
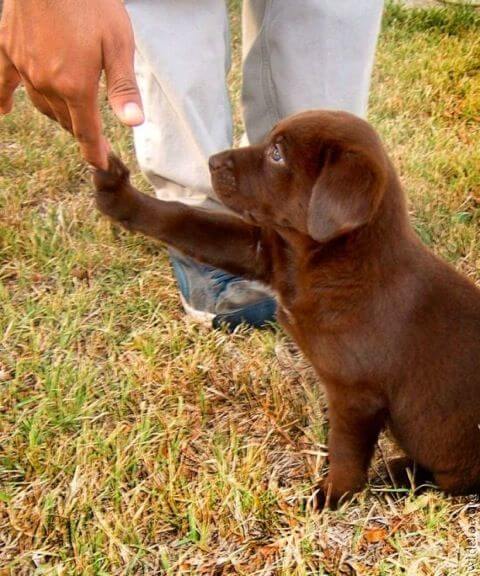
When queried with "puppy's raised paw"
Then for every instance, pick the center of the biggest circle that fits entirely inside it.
(115, 196)
(112, 178)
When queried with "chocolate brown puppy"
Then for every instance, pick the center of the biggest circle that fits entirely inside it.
(319, 215)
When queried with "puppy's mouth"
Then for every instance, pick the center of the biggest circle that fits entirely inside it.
(224, 182)
(233, 200)
(225, 186)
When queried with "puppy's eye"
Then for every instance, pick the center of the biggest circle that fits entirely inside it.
(276, 153)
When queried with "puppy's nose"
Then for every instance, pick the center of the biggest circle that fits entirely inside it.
(219, 161)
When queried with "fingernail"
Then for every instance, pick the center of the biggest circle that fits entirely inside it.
(132, 114)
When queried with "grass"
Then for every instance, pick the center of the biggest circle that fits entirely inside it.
(133, 442)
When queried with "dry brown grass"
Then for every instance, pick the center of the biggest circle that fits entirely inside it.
(133, 442)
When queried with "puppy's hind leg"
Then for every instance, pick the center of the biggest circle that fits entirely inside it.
(458, 482)
(406, 473)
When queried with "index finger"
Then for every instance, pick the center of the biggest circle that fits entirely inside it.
(87, 129)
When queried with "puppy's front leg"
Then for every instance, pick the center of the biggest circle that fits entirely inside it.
(355, 423)
(223, 241)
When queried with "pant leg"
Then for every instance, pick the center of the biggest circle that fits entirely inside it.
(182, 58)
(306, 54)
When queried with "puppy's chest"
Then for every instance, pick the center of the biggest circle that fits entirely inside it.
(310, 338)
(291, 287)
(297, 310)
(311, 320)
(291, 324)
(288, 296)
(298, 314)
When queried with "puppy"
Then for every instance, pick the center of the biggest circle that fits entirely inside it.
(318, 214)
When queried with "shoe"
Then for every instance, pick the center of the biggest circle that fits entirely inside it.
(214, 298)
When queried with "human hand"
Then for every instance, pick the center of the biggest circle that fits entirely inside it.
(58, 49)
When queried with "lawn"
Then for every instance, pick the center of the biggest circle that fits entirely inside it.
(134, 442)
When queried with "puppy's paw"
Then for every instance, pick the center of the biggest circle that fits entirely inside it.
(324, 497)
(115, 196)
(114, 177)
(328, 495)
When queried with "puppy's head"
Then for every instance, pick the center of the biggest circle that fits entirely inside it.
(321, 173)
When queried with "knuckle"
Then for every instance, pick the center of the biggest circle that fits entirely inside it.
(48, 82)
(70, 89)
(123, 86)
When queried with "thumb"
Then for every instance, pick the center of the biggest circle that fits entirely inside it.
(9, 80)
(122, 89)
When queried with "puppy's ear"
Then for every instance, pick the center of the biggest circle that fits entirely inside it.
(346, 194)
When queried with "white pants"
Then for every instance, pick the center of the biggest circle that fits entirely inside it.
(297, 54)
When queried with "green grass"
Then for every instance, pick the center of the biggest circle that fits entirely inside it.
(133, 442)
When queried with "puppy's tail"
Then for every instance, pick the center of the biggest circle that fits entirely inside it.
(112, 178)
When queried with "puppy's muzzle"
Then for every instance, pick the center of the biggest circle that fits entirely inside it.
(223, 174)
